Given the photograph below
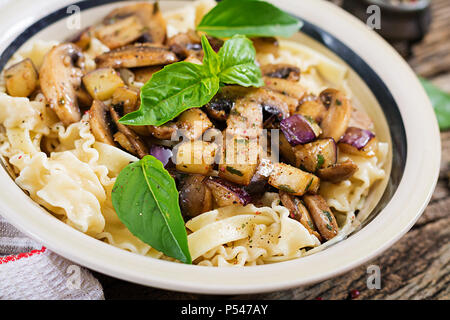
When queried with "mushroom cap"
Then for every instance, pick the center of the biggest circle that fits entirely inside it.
(60, 78)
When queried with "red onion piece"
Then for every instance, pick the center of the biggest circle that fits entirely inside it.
(161, 153)
(297, 130)
(357, 137)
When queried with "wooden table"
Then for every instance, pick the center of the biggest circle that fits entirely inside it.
(417, 266)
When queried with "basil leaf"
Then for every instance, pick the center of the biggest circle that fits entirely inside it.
(172, 90)
(441, 103)
(184, 85)
(146, 201)
(250, 17)
(237, 63)
(211, 58)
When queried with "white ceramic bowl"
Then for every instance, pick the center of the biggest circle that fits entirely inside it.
(407, 117)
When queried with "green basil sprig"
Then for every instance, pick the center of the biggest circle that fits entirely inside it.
(184, 85)
(248, 17)
(441, 103)
(145, 198)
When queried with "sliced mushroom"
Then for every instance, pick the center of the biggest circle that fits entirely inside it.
(282, 71)
(124, 142)
(145, 74)
(137, 143)
(321, 214)
(289, 88)
(163, 132)
(121, 32)
(148, 14)
(186, 44)
(101, 122)
(299, 212)
(134, 56)
(338, 172)
(313, 107)
(272, 102)
(60, 77)
(337, 118)
(83, 39)
(84, 98)
(226, 193)
(266, 45)
(195, 196)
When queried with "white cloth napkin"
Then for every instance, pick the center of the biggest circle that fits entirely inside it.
(29, 271)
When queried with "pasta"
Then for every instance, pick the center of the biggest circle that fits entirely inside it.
(241, 236)
(70, 172)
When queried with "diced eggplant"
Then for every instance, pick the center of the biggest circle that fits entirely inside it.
(195, 196)
(193, 123)
(316, 155)
(240, 155)
(125, 98)
(60, 77)
(293, 180)
(322, 215)
(286, 150)
(135, 56)
(245, 119)
(338, 172)
(359, 142)
(239, 159)
(258, 183)
(281, 71)
(21, 79)
(102, 83)
(220, 106)
(299, 212)
(195, 157)
(299, 130)
(286, 87)
(226, 193)
(337, 117)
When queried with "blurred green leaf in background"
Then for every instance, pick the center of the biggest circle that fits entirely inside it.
(440, 101)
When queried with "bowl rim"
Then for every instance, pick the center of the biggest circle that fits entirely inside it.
(420, 172)
(400, 8)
